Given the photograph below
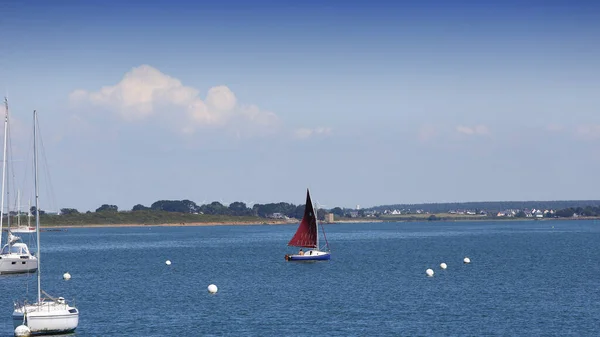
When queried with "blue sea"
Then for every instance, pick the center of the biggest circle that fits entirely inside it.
(526, 278)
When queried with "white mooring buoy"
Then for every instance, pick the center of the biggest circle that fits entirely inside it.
(467, 260)
(22, 331)
(66, 276)
(168, 262)
(443, 265)
(429, 272)
(212, 289)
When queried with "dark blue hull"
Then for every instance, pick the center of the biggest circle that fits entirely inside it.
(306, 257)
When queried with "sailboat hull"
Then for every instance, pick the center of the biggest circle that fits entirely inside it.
(311, 255)
(49, 318)
(23, 230)
(17, 264)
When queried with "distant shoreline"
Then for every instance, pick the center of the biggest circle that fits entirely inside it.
(202, 224)
(197, 224)
(275, 222)
(182, 224)
(205, 224)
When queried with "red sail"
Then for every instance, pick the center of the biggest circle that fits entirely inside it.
(306, 235)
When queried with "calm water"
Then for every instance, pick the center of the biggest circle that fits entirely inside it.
(525, 279)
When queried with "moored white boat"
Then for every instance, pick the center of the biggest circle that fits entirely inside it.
(47, 315)
(22, 228)
(50, 317)
(15, 257)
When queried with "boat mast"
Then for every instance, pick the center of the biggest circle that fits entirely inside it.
(316, 209)
(8, 238)
(18, 208)
(4, 165)
(37, 209)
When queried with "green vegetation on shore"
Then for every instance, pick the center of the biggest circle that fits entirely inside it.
(140, 217)
(186, 211)
(162, 217)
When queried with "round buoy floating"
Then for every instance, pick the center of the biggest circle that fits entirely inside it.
(212, 289)
(429, 272)
(66, 276)
(443, 265)
(22, 331)
(168, 262)
(467, 260)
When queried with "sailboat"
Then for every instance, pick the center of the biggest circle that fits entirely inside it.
(21, 228)
(15, 257)
(47, 315)
(307, 236)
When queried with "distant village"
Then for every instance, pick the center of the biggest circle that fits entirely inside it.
(368, 213)
(509, 213)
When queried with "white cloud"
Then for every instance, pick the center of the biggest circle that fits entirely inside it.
(588, 132)
(476, 130)
(221, 98)
(554, 127)
(304, 133)
(427, 133)
(482, 130)
(145, 93)
(255, 115)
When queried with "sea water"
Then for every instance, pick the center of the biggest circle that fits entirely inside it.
(526, 278)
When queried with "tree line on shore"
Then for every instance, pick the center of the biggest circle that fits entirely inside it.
(238, 208)
(186, 211)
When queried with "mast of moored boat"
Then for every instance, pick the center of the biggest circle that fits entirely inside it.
(18, 208)
(29, 214)
(8, 235)
(4, 166)
(37, 209)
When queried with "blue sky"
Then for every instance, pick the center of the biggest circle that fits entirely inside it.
(364, 102)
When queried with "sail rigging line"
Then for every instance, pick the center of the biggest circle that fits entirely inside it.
(42, 149)
(9, 171)
(324, 236)
(28, 171)
(12, 187)
(49, 296)
(10, 178)
(26, 181)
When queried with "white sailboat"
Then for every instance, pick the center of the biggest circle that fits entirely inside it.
(48, 315)
(15, 257)
(21, 228)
